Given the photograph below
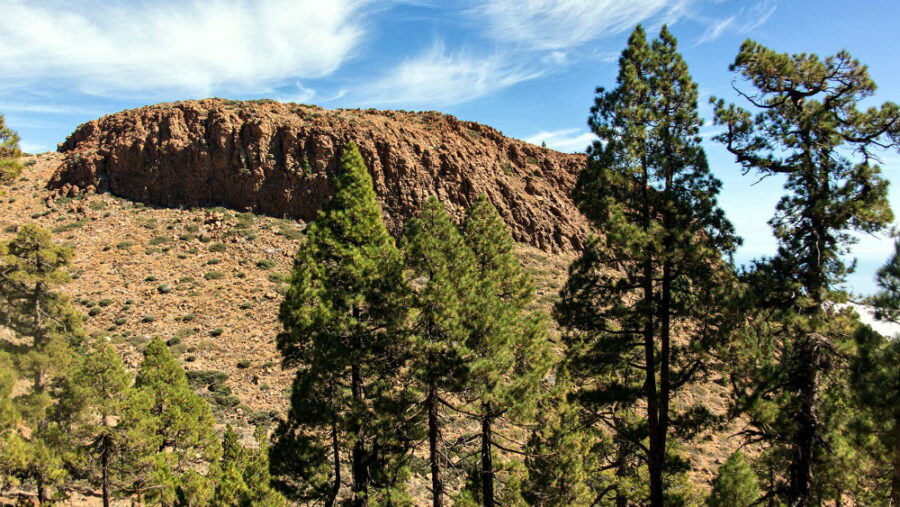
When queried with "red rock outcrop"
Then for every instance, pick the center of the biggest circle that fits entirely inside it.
(276, 159)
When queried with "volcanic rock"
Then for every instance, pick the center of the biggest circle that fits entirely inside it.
(278, 159)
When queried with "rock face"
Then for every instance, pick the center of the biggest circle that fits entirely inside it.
(277, 159)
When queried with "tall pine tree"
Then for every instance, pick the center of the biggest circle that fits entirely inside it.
(442, 271)
(183, 427)
(645, 303)
(510, 352)
(48, 336)
(109, 420)
(876, 387)
(341, 316)
(808, 128)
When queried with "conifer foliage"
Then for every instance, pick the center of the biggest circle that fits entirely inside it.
(807, 127)
(442, 271)
(510, 351)
(340, 316)
(876, 388)
(659, 271)
(9, 153)
(735, 485)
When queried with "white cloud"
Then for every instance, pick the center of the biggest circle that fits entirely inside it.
(567, 140)
(745, 21)
(32, 148)
(192, 46)
(560, 24)
(436, 77)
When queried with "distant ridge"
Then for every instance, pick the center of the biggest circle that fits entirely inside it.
(276, 159)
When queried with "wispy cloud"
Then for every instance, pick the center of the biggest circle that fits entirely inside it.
(436, 77)
(191, 46)
(745, 21)
(567, 140)
(560, 24)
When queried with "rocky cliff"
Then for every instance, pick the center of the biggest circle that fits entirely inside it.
(276, 159)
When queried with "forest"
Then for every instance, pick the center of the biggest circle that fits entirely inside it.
(425, 373)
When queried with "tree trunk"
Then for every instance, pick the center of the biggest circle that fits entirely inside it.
(104, 464)
(487, 463)
(665, 332)
(434, 452)
(801, 472)
(895, 478)
(41, 493)
(621, 472)
(360, 472)
(654, 464)
(335, 449)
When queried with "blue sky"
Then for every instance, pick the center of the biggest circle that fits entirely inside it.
(526, 67)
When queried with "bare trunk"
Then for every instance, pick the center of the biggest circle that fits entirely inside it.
(487, 463)
(360, 472)
(104, 463)
(895, 478)
(335, 450)
(434, 452)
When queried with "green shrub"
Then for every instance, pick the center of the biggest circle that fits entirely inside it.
(213, 275)
(188, 318)
(243, 364)
(105, 302)
(148, 318)
(164, 289)
(265, 264)
(94, 311)
(217, 247)
(125, 245)
(216, 332)
(121, 320)
(205, 378)
(158, 240)
(184, 332)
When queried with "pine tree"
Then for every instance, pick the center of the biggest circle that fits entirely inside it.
(49, 335)
(809, 129)
(560, 456)
(183, 425)
(661, 270)
(442, 270)
(108, 419)
(244, 474)
(735, 484)
(9, 153)
(510, 352)
(341, 318)
(876, 385)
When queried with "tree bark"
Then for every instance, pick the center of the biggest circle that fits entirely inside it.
(654, 465)
(487, 463)
(335, 449)
(360, 472)
(434, 452)
(104, 463)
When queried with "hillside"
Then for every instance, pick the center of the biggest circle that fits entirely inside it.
(276, 159)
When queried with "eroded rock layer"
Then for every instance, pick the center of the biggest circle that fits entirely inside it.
(276, 159)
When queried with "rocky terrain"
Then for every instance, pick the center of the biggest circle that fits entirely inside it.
(276, 159)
